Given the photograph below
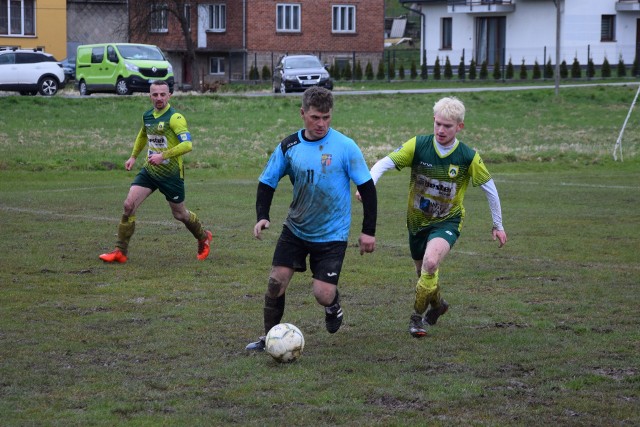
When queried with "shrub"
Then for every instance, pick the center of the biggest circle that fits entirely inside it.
(414, 70)
(621, 70)
(391, 71)
(564, 70)
(484, 72)
(497, 73)
(635, 68)
(461, 69)
(368, 71)
(347, 73)
(380, 74)
(266, 73)
(591, 68)
(509, 72)
(424, 72)
(401, 72)
(576, 71)
(448, 71)
(548, 70)
(358, 71)
(606, 68)
(253, 73)
(536, 70)
(472, 69)
(523, 71)
(436, 69)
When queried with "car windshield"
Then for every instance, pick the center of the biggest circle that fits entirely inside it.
(302, 63)
(151, 53)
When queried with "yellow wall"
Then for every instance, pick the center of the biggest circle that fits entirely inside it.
(51, 29)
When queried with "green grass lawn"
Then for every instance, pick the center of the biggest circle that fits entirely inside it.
(542, 331)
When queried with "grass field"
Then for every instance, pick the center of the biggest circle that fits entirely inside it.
(543, 331)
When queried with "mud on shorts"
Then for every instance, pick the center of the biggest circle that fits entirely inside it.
(448, 229)
(325, 258)
(172, 187)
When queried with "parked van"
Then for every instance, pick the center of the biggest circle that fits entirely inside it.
(122, 68)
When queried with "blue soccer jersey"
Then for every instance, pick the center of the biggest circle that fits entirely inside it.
(320, 172)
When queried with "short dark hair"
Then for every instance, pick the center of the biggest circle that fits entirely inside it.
(159, 83)
(319, 98)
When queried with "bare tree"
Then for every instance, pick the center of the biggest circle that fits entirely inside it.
(150, 21)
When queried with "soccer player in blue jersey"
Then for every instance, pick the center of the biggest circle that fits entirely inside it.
(441, 168)
(320, 162)
(165, 136)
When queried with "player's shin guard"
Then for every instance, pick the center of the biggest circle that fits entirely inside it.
(195, 227)
(427, 290)
(273, 311)
(126, 228)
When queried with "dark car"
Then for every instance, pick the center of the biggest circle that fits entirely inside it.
(298, 72)
(69, 68)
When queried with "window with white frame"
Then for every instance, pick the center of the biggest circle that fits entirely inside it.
(217, 17)
(288, 17)
(344, 19)
(216, 65)
(18, 17)
(159, 18)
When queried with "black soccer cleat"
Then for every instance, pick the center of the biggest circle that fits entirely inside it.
(434, 312)
(416, 326)
(256, 346)
(333, 318)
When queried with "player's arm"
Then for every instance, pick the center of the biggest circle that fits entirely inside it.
(369, 198)
(383, 165)
(138, 146)
(497, 230)
(179, 126)
(264, 197)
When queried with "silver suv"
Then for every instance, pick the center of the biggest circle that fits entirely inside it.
(30, 71)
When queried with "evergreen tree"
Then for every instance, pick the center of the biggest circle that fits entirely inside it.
(448, 71)
(368, 71)
(253, 73)
(380, 75)
(536, 70)
(497, 72)
(591, 69)
(622, 69)
(462, 73)
(424, 71)
(266, 73)
(564, 70)
(576, 71)
(635, 68)
(606, 68)
(484, 71)
(414, 70)
(436, 69)
(523, 71)
(358, 71)
(472, 69)
(509, 72)
(548, 70)
(347, 73)
(391, 71)
(401, 72)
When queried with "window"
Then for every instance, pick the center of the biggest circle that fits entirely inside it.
(608, 28)
(288, 17)
(187, 15)
(18, 17)
(159, 18)
(447, 26)
(216, 65)
(490, 39)
(217, 17)
(344, 19)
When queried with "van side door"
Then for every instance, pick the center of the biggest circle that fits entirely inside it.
(111, 66)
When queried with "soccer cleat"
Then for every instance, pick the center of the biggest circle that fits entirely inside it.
(114, 256)
(256, 346)
(434, 312)
(333, 318)
(204, 246)
(416, 326)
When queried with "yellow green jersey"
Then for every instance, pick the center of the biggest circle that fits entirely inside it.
(164, 132)
(438, 182)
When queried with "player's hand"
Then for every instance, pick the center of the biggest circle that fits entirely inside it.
(499, 235)
(367, 243)
(156, 159)
(260, 225)
(358, 196)
(129, 163)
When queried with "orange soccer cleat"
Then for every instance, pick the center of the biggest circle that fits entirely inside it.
(204, 246)
(114, 256)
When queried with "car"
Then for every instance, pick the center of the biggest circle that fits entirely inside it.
(298, 72)
(69, 68)
(30, 71)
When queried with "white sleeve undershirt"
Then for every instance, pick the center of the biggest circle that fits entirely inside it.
(381, 167)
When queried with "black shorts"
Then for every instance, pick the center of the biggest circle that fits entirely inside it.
(325, 259)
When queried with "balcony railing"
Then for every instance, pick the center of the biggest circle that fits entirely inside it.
(467, 6)
(628, 6)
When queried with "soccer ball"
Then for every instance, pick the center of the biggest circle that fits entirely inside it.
(284, 342)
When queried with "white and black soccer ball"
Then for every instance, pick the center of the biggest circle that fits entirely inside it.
(284, 342)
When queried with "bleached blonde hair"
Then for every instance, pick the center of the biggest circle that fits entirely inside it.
(450, 108)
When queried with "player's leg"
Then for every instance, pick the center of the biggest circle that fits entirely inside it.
(289, 256)
(193, 224)
(326, 261)
(137, 194)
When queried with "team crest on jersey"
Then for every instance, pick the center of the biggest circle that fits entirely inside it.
(160, 126)
(453, 170)
(325, 160)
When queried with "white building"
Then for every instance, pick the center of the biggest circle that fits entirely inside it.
(526, 30)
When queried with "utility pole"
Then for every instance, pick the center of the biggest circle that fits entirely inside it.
(558, 4)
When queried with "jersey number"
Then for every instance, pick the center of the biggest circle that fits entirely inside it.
(310, 176)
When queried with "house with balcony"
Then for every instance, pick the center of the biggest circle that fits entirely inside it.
(230, 37)
(32, 24)
(528, 30)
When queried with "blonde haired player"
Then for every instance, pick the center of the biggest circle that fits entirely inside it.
(441, 169)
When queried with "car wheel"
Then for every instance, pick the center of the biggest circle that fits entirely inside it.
(48, 86)
(82, 88)
(283, 88)
(122, 88)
